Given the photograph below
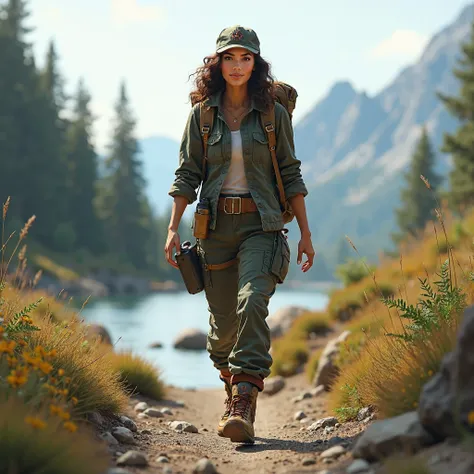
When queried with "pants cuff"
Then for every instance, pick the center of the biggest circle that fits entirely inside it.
(257, 381)
(225, 375)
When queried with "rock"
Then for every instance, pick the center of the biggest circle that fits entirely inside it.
(359, 466)
(322, 423)
(128, 423)
(204, 466)
(327, 369)
(191, 339)
(329, 429)
(146, 432)
(308, 461)
(383, 438)
(162, 459)
(337, 425)
(183, 426)
(299, 415)
(97, 331)
(142, 416)
(452, 386)
(109, 439)
(333, 452)
(280, 321)
(124, 435)
(166, 411)
(317, 391)
(179, 404)
(132, 458)
(155, 345)
(140, 407)
(301, 397)
(118, 470)
(363, 414)
(274, 385)
(95, 418)
(153, 413)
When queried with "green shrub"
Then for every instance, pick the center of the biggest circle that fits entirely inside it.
(312, 365)
(353, 271)
(309, 323)
(288, 356)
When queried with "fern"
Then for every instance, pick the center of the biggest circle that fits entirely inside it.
(434, 306)
(20, 323)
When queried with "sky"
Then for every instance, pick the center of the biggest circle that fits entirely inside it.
(154, 45)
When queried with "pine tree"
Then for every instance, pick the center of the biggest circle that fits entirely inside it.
(123, 204)
(83, 175)
(416, 199)
(461, 144)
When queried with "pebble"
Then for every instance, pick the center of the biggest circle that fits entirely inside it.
(146, 432)
(299, 415)
(333, 452)
(329, 429)
(118, 470)
(109, 439)
(142, 416)
(167, 470)
(132, 458)
(337, 425)
(204, 466)
(140, 407)
(363, 414)
(179, 404)
(183, 426)
(162, 459)
(302, 396)
(153, 413)
(316, 391)
(124, 435)
(308, 461)
(359, 466)
(128, 423)
(322, 423)
(166, 411)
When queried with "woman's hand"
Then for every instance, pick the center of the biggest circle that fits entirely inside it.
(172, 241)
(305, 247)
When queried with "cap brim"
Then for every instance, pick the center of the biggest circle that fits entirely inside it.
(230, 46)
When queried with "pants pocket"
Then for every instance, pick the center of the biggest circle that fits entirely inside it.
(281, 258)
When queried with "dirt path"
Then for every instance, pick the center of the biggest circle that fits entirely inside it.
(281, 446)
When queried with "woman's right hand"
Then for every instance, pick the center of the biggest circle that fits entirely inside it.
(172, 241)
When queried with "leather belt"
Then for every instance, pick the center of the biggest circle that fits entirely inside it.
(236, 205)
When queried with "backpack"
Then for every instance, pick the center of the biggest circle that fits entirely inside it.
(286, 95)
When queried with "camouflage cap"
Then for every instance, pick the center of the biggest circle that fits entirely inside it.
(238, 36)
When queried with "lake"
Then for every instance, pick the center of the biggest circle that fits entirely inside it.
(161, 316)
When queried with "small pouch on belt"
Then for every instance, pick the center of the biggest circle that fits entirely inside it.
(202, 217)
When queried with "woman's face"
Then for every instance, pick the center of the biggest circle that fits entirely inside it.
(237, 65)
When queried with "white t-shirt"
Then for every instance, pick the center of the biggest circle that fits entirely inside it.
(235, 181)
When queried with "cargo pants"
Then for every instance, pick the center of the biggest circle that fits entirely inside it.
(239, 337)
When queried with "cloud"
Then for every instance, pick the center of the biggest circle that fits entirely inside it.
(400, 43)
(130, 11)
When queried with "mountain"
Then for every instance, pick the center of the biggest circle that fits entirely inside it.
(355, 147)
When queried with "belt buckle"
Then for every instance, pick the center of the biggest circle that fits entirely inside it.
(234, 198)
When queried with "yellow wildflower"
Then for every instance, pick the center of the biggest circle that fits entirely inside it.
(64, 415)
(2, 330)
(470, 418)
(26, 320)
(40, 351)
(70, 426)
(64, 392)
(32, 360)
(7, 347)
(54, 409)
(35, 422)
(53, 380)
(50, 388)
(18, 377)
(53, 353)
(45, 367)
(61, 372)
(67, 380)
(12, 361)
(22, 342)
(74, 400)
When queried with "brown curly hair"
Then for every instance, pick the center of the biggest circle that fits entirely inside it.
(209, 80)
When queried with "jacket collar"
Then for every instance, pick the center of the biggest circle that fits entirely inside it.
(215, 101)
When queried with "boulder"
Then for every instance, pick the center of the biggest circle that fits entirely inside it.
(452, 386)
(386, 437)
(280, 321)
(327, 369)
(96, 330)
(191, 339)
(274, 385)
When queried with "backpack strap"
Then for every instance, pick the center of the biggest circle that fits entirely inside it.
(206, 120)
(268, 122)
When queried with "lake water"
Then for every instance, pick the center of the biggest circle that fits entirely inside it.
(161, 316)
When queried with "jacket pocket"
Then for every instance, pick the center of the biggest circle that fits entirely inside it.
(214, 148)
(260, 149)
(281, 258)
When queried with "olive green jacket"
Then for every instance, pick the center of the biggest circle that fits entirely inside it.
(257, 161)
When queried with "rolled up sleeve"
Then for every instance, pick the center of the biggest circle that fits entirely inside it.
(188, 175)
(290, 166)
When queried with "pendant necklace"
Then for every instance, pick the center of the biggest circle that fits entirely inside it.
(235, 119)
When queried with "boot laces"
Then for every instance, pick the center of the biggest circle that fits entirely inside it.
(240, 405)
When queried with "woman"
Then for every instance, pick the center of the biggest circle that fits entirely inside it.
(246, 220)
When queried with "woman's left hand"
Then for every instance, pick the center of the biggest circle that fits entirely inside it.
(305, 246)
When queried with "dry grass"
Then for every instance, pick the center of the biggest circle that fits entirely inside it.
(48, 448)
(312, 365)
(138, 375)
(289, 356)
(309, 325)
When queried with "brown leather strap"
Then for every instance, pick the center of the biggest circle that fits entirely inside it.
(221, 266)
(206, 120)
(236, 205)
(268, 122)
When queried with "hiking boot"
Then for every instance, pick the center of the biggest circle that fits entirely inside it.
(239, 425)
(228, 400)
